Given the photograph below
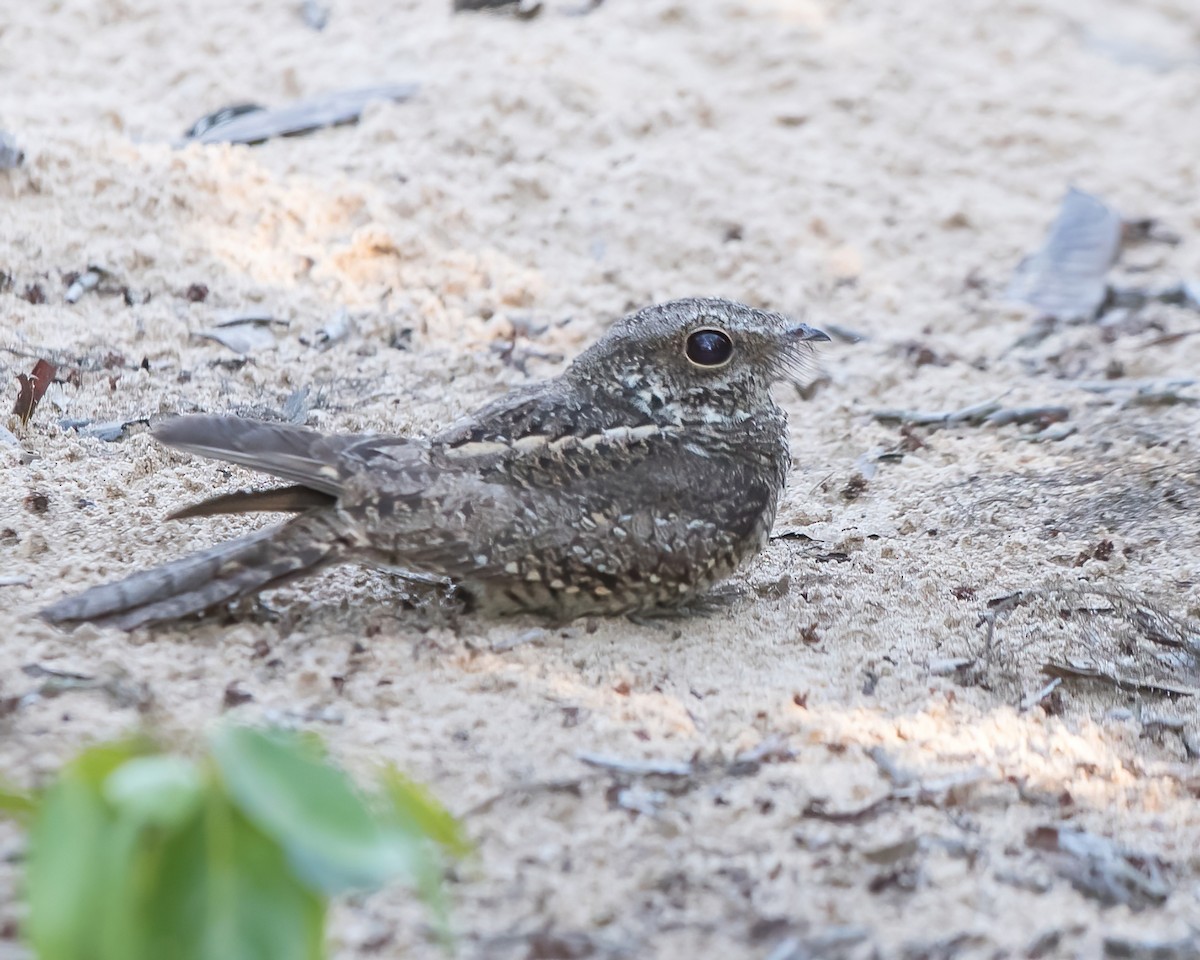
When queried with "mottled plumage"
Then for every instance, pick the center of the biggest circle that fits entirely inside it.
(648, 470)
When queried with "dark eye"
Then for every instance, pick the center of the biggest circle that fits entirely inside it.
(709, 348)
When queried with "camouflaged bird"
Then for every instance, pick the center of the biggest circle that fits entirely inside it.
(650, 469)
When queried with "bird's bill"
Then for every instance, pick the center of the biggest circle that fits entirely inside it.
(806, 334)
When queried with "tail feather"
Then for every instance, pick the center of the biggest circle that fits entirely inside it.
(193, 584)
(294, 499)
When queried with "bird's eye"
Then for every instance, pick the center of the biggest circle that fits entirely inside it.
(709, 348)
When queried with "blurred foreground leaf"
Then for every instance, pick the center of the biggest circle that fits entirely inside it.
(311, 810)
(420, 813)
(14, 804)
(137, 855)
(164, 791)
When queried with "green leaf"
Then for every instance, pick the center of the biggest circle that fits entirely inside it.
(140, 856)
(428, 881)
(418, 811)
(16, 805)
(225, 891)
(311, 809)
(65, 871)
(120, 897)
(94, 765)
(81, 877)
(163, 791)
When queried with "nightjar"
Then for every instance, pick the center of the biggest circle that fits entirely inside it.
(647, 471)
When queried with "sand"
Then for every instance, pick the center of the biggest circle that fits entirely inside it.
(877, 167)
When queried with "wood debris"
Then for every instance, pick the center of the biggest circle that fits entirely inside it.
(314, 14)
(110, 431)
(32, 388)
(1103, 869)
(532, 635)
(1122, 639)
(85, 282)
(1048, 419)
(10, 154)
(1146, 393)
(828, 944)
(907, 788)
(296, 407)
(252, 124)
(637, 768)
(520, 9)
(114, 682)
(244, 334)
(975, 414)
(1127, 948)
(336, 330)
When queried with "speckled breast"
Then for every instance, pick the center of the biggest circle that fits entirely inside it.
(647, 558)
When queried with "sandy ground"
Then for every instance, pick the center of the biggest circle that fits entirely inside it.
(855, 789)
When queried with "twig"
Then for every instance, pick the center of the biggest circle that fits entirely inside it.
(1045, 415)
(1079, 670)
(975, 414)
(1123, 948)
(828, 943)
(989, 414)
(519, 639)
(772, 749)
(907, 789)
(895, 775)
(123, 690)
(1033, 699)
(1143, 392)
(1170, 339)
(998, 608)
(573, 785)
(948, 666)
(637, 768)
(1173, 724)
(817, 810)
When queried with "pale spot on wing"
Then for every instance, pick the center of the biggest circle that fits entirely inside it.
(533, 441)
(481, 448)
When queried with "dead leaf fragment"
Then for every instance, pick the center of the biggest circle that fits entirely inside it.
(1066, 277)
(33, 388)
(243, 335)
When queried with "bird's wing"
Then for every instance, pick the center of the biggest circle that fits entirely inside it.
(302, 456)
(549, 436)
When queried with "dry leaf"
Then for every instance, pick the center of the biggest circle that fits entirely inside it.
(33, 388)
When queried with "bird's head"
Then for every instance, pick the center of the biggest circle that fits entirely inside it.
(697, 353)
